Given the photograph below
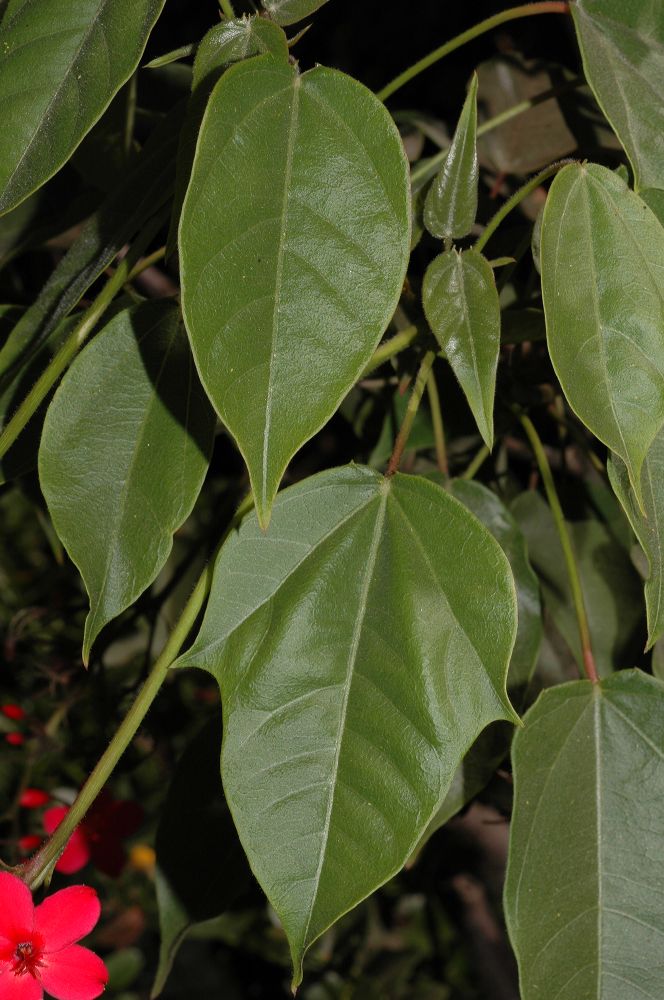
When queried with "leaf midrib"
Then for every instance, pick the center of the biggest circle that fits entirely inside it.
(58, 91)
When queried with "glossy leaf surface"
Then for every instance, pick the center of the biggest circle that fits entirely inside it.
(451, 203)
(294, 241)
(648, 525)
(583, 898)
(603, 288)
(124, 451)
(493, 744)
(611, 587)
(356, 667)
(226, 43)
(622, 44)
(62, 63)
(462, 308)
(290, 11)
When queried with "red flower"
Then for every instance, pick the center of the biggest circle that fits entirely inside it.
(38, 949)
(14, 712)
(99, 837)
(15, 739)
(33, 798)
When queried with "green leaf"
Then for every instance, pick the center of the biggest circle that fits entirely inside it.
(61, 67)
(493, 744)
(201, 868)
(583, 898)
(622, 44)
(462, 308)
(290, 11)
(298, 207)
(124, 451)
(654, 199)
(648, 525)
(145, 187)
(603, 289)
(226, 43)
(451, 203)
(356, 666)
(611, 586)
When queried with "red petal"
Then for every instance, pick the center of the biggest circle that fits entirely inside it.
(74, 974)
(18, 987)
(33, 798)
(77, 852)
(16, 908)
(14, 712)
(66, 916)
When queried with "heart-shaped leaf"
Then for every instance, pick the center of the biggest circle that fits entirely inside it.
(294, 242)
(451, 203)
(356, 666)
(124, 451)
(61, 66)
(461, 305)
(290, 11)
(493, 744)
(622, 44)
(603, 288)
(583, 898)
(648, 525)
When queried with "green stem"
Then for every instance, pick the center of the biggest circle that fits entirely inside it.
(227, 8)
(130, 116)
(399, 342)
(524, 10)
(516, 199)
(37, 869)
(438, 427)
(477, 462)
(411, 410)
(567, 547)
(72, 345)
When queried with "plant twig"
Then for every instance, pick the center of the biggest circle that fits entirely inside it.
(524, 10)
(38, 868)
(399, 342)
(567, 547)
(411, 410)
(438, 427)
(476, 463)
(517, 198)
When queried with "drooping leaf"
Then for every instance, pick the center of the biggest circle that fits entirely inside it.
(202, 871)
(144, 189)
(462, 308)
(611, 587)
(622, 44)
(648, 525)
(603, 290)
(294, 240)
(226, 43)
(61, 66)
(451, 202)
(289, 11)
(124, 451)
(356, 665)
(583, 898)
(493, 744)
